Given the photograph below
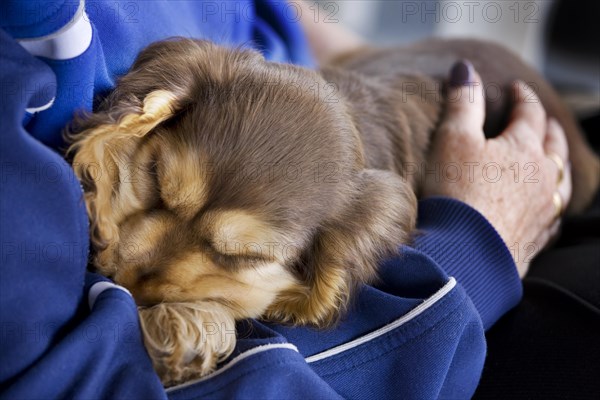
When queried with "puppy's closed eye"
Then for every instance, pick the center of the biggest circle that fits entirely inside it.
(238, 257)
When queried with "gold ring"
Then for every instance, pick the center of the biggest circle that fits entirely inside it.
(560, 164)
(558, 205)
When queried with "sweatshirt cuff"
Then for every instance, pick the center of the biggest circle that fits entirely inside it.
(96, 284)
(467, 246)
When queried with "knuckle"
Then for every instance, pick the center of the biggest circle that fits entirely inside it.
(453, 127)
(531, 146)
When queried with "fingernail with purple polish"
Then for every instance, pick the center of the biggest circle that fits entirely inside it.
(462, 74)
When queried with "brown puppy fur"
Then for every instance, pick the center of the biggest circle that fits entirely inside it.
(221, 186)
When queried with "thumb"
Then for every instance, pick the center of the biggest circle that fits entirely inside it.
(465, 102)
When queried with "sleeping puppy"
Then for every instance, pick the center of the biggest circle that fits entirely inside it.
(221, 186)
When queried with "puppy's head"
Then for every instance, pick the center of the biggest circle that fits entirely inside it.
(209, 166)
(212, 176)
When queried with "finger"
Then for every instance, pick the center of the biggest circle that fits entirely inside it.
(528, 118)
(555, 145)
(556, 140)
(465, 102)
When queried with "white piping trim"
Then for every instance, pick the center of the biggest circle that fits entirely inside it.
(236, 360)
(68, 42)
(99, 287)
(387, 328)
(46, 106)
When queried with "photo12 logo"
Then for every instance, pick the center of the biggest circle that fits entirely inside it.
(470, 11)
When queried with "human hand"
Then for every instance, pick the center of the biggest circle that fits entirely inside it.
(513, 180)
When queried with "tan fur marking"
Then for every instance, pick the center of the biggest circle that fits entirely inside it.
(182, 182)
(238, 232)
(144, 236)
(265, 283)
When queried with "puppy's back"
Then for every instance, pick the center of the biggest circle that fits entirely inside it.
(498, 68)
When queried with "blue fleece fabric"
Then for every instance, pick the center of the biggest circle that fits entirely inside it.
(416, 334)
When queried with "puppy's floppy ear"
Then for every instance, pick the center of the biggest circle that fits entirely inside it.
(187, 340)
(103, 148)
(347, 249)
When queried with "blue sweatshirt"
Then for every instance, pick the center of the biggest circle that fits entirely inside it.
(66, 332)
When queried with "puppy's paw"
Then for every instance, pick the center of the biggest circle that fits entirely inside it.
(187, 340)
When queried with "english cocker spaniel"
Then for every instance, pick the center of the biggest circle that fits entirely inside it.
(221, 186)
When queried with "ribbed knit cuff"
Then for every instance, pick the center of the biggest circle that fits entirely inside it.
(468, 248)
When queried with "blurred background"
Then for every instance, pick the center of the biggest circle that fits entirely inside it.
(558, 37)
